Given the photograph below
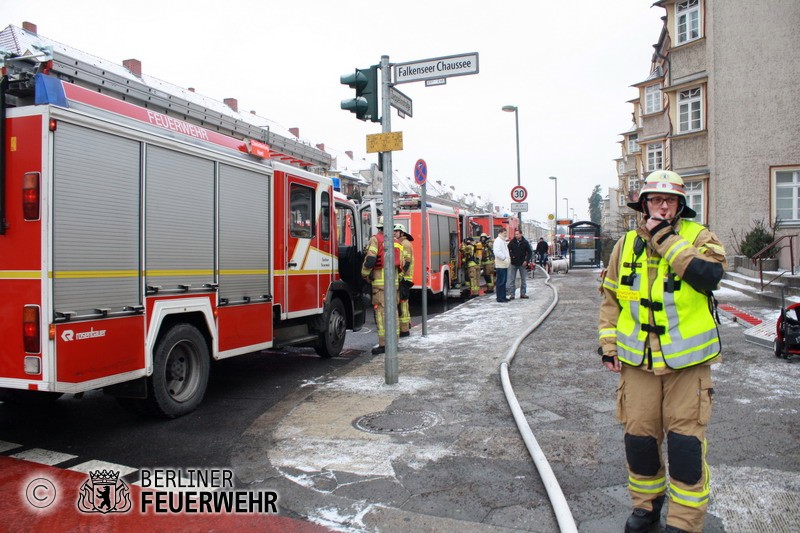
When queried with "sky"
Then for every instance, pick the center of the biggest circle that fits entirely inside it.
(568, 66)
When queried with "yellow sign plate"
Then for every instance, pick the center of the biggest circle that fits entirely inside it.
(385, 142)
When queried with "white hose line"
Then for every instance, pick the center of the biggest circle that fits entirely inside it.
(559, 503)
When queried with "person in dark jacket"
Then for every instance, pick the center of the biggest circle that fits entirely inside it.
(541, 252)
(520, 251)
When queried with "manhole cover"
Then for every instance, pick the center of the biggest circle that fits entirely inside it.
(396, 422)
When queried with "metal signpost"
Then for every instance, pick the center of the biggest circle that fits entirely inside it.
(421, 178)
(434, 71)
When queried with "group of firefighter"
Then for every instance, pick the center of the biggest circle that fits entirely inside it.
(474, 255)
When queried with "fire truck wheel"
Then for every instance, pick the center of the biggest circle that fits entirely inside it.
(331, 339)
(180, 372)
(445, 288)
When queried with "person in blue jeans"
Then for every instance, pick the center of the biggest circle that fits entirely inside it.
(520, 253)
(501, 261)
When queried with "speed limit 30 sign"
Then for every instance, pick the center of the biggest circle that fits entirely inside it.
(519, 193)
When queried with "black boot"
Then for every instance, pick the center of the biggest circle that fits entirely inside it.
(641, 520)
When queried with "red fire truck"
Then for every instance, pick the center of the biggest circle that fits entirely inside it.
(447, 227)
(138, 244)
(490, 224)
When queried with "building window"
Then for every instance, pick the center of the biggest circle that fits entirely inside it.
(690, 110)
(620, 168)
(652, 98)
(787, 194)
(655, 156)
(633, 144)
(688, 20)
(695, 199)
(621, 199)
(633, 183)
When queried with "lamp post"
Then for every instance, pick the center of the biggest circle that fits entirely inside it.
(515, 110)
(567, 200)
(555, 214)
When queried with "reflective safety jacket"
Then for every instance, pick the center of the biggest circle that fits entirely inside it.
(407, 260)
(487, 258)
(372, 268)
(468, 255)
(662, 303)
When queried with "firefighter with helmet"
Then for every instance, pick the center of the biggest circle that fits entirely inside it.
(487, 261)
(470, 262)
(657, 330)
(406, 278)
(372, 270)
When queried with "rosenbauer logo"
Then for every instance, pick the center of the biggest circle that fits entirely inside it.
(68, 335)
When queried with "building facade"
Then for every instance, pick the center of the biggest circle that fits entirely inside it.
(719, 108)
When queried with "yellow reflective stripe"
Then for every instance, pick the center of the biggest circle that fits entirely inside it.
(174, 273)
(84, 274)
(609, 284)
(714, 248)
(20, 274)
(647, 486)
(675, 249)
(689, 498)
(300, 272)
(608, 333)
(263, 272)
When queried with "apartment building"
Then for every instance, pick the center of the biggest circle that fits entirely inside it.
(719, 106)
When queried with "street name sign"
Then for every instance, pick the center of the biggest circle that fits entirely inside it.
(400, 101)
(436, 68)
(385, 142)
(519, 207)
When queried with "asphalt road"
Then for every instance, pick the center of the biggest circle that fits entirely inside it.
(94, 426)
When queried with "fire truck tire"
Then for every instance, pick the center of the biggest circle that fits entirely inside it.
(181, 365)
(331, 339)
(445, 288)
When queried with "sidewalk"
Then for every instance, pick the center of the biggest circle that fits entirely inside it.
(439, 451)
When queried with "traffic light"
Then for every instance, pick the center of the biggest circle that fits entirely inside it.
(365, 104)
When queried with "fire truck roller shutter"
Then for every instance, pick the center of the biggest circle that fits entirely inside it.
(244, 230)
(96, 198)
(180, 219)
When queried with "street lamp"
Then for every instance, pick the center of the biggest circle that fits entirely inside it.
(555, 214)
(515, 110)
(567, 200)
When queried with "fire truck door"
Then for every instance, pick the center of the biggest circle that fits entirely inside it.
(302, 266)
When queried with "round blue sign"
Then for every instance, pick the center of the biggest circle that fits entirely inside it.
(420, 172)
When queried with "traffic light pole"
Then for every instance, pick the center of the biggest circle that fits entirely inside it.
(389, 272)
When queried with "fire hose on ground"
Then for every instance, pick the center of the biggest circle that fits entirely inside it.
(566, 522)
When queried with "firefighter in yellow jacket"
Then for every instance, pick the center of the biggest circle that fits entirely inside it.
(406, 278)
(657, 330)
(470, 264)
(372, 271)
